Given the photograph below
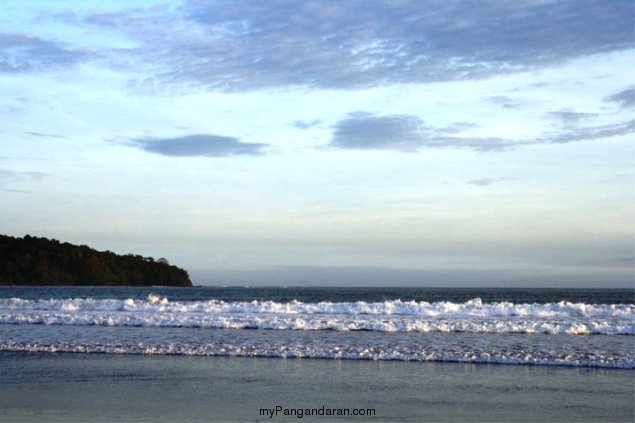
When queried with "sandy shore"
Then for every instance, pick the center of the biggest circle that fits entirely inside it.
(104, 388)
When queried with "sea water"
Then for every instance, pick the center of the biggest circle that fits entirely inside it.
(545, 327)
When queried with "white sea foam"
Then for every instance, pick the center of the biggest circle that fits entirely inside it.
(465, 355)
(474, 307)
(388, 316)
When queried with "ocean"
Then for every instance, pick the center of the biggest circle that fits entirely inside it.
(590, 328)
(543, 354)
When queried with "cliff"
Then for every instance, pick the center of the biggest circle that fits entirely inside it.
(41, 261)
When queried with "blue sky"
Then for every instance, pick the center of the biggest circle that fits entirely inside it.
(436, 143)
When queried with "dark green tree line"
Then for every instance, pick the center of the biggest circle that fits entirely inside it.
(41, 261)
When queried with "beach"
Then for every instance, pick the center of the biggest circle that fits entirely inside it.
(109, 387)
(319, 354)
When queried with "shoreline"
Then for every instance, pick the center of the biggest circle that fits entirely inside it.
(352, 359)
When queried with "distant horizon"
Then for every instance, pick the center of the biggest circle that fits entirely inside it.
(381, 277)
(399, 287)
(317, 287)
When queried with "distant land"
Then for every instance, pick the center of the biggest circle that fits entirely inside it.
(41, 261)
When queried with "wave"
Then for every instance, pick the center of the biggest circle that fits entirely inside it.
(388, 316)
(464, 355)
(474, 307)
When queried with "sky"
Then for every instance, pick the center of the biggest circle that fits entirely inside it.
(323, 142)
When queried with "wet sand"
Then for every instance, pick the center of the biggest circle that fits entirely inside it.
(107, 387)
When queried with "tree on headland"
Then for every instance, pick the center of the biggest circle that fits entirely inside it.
(41, 261)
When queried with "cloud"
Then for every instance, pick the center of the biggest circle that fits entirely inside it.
(591, 133)
(625, 99)
(15, 191)
(569, 118)
(457, 127)
(44, 135)
(481, 144)
(503, 101)
(12, 174)
(366, 131)
(248, 45)
(574, 126)
(24, 53)
(7, 175)
(485, 182)
(198, 145)
(301, 124)
(408, 133)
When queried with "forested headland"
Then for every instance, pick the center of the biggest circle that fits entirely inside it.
(41, 261)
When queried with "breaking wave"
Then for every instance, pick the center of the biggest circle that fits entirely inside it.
(388, 316)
